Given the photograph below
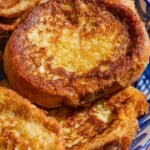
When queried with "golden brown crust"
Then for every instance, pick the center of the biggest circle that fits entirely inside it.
(23, 126)
(105, 125)
(13, 8)
(11, 12)
(49, 80)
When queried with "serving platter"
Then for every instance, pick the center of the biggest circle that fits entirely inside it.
(142, 140)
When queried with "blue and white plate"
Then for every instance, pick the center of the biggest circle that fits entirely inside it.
(142, 141)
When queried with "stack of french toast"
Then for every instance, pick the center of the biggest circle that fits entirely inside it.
(70, 66)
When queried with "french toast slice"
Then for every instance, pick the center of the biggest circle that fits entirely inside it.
(25, 127)
(106, 125)
(11, 12)
(74, 51)
(13, 8)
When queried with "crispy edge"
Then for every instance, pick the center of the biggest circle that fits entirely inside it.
(123, 130)
(128, 105)
(49, 123)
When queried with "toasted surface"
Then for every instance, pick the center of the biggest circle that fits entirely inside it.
(23, 126)
(105, 125)
(13, 8)
(75, 51)
(11, 12)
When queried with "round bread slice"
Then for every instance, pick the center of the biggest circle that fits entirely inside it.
(24, 127)
(73, 51)
(106, 125)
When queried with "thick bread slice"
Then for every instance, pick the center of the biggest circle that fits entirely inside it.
(25, 127)
(73, 51)
(106, 125)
